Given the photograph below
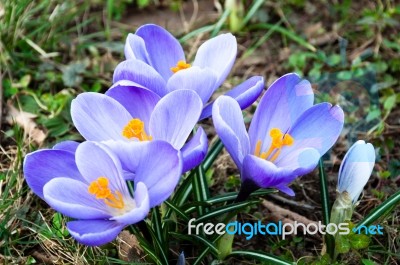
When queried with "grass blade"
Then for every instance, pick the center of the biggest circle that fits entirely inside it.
(196, 32)
(329, 240)
(200, 188)
(212, 154)
(257, 4)
(177, 210)
(291, 35)
(197, 239)
(381, 210)
(225, 209)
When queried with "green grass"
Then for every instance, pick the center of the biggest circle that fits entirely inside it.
(50, 51)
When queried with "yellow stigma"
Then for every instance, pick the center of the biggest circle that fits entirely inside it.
(180, 66)
(279, 140)
(135, 129)
(100, 188)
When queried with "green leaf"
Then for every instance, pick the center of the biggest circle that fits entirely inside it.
(342, 244)
(290, 34)
(212, 154)
(325, 207)
(359, 241)
(390, 102)
(381, 210)
(367, 262)
(200, 188)
(195, 239)
(253, 9)
(260, 256)
(177, 210)
(230, 196)
(58, 226)
(225, 209)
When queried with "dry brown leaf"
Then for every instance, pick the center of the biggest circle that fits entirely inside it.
(27, 123)
(129, 248)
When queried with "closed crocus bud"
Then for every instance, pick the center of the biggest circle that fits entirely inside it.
(354, 173)
(356, 169)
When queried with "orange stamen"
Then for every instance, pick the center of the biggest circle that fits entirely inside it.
(279, 140)
(180, 66)
(135, 129)
(100, 188)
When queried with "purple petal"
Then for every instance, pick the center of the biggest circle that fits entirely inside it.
(318, 127)
(285, 100)
(163, 49)
(72, 198)
(99, 117)
(228, 122)
(95, 160)
(266, 175)
(219, 54)
(202, 81)
(138, 101)
(157, 164)
(69, 146)
(174, 117)
(356, 169)
(94, 232)
(140, 73)
(43, 165)
(195, 150)
(135, 48)
(141, 209)
(245, 94)
(301, 161)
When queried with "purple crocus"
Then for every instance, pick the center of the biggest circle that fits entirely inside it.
(155, 60)
(127, 113)
(86, 183)
(286, 138)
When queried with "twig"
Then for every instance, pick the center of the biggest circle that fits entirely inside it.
(291, 202)
(277, 210)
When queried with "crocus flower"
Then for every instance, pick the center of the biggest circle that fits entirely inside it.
(356, 169)
(86, 183)
(286, 138)
(155, 60)
(129, 113)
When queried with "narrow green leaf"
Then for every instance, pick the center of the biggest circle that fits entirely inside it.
(205, 251)
(291, 35)
(230, 196)
(253, 9)
(200, 188)
(196, 32)
(197, 239)
(212, 154)
(158, 246)
(177, 210)
(381, 210)
(329, 240)
(220, 22)
(270, 259)
(158, 229)
(145, 246)
(225, 209)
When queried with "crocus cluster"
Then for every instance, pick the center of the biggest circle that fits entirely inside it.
(141, 135)
(136, 133)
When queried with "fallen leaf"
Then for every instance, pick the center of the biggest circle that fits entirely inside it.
(26, 121)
